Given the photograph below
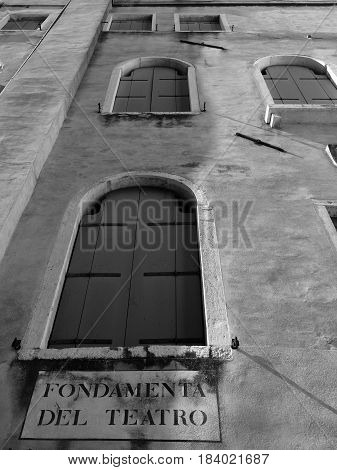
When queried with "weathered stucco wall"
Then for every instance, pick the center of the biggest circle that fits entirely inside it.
(279, 390)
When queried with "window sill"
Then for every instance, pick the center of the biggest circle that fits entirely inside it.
(153, 113)
(302, 113)
(135, 352)
(130, 31)
(208, 31)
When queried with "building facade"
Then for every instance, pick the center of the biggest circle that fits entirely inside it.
(223, 111)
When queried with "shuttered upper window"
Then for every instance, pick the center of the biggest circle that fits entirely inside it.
(134, 275)
(293, 84)
(153, 89)
(141, 23)
(197, 23)
(204, 23)
(159, 85)
(26, 23)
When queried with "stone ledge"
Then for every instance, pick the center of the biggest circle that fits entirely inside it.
(137, 352)
(61, 59)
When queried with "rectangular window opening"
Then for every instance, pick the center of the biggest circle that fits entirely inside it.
(153, 89)
(327, 210)
(130, 23)
(197, 23)
(24, 23)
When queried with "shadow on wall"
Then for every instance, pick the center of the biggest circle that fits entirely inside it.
(323, 134)
(270, 368)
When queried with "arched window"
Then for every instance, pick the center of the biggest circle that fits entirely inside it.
(292, 84)
(297, 88)
(134, 274)
(152, 85)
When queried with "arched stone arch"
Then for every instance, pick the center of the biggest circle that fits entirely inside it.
(35, 342)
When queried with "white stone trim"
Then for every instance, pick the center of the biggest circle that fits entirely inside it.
(327, 150)
(224, 26)
(325, 209)
(224, 22)
(302, 113)
(126, 67)
(107, 23)
(35, 341)
(45, 25)
(129, 16)
(176, 22)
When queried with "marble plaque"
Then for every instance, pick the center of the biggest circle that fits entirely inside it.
(152, 405)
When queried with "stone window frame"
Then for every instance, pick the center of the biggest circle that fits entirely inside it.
(32, 12)
(302, 113)
(217, 335)
(129, 16)
(331, 152)
(326, 208)
(132, 64)
(224, 26)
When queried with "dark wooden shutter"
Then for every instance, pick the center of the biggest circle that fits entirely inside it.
(134, 91)
(143, 23)
(152, 317)
(153, 89)
(24, 24)
(200, 23)
(170, 91)
(182, 93)
(165, 301)
(295, 84)
(134, 274)
(163, 92)
(96, 291)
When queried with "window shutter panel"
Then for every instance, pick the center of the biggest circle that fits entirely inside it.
(296, 84)
(148, 292)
